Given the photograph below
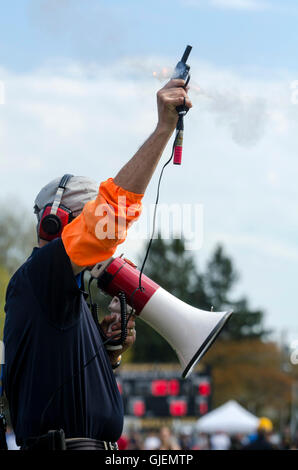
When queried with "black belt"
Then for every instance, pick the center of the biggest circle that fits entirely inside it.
(80, 443)
(55, 440)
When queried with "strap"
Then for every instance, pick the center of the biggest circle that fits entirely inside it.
(64, 180)
(60, 191)
(53, 440)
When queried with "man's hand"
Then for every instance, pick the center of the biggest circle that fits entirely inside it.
(170, 96)
(116, 330)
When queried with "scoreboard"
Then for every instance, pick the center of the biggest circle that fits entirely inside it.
(163, 393)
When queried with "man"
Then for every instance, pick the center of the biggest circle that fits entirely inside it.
(58, 375)
(262, 440)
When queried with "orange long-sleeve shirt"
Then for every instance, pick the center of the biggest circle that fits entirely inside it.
(94, 235)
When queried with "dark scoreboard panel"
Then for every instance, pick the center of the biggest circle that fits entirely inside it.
(156, 393)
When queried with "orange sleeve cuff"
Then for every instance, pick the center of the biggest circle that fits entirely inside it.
(94, 235)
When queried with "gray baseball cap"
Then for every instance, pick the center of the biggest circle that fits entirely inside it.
(79, 190)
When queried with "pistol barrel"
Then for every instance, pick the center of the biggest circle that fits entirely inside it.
(186, 54)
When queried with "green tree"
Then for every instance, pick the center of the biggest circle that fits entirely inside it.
(219, 278)
(4, 279)
(17, 235)
(218, 283)
(171, 266)
(17, 238)
(173, 269)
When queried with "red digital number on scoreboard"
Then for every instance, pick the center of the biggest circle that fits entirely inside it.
(159, 388)
(162, 388)
(139, 408)
(178, 407)
(204, 389)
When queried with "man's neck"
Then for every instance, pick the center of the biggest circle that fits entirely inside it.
(42, 243)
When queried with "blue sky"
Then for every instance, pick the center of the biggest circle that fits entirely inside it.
(80, 98)
(236, 33)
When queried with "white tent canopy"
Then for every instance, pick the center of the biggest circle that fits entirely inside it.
(231, 418)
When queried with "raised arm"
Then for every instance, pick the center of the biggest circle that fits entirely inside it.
(136, 174)
(95, 234)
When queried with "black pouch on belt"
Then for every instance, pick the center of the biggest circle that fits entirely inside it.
(53, 440)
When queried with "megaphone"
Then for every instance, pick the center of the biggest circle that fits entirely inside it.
(189, 330)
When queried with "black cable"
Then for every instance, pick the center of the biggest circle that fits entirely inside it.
(154, 215)
(124, 321)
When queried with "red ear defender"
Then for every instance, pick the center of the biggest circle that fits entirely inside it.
(55, 216)
(51, 225)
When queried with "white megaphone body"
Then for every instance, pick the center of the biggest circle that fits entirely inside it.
(189, 330)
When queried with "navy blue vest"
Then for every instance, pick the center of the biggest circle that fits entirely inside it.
(49, 334)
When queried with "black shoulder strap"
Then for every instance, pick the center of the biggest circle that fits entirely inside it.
(64, 181)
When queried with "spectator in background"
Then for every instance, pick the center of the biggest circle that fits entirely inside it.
(122, 442)
(294, 445)
(186, 439)
(262, 442)
(152, 442)
(135, 441)
(220, 441)
(286, 440)
(11, 439)
(202, 442)
(236, 442)
(168, 441)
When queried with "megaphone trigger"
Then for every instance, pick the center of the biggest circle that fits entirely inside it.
(115, 309)
(117, 320)
(119, 308)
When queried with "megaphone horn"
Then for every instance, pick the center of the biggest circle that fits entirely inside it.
(189, 330)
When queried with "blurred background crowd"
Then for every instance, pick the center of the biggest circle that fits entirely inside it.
(264, 438)
(166, 439)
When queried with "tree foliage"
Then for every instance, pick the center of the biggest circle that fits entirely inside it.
(250, 372)
(218, 282)
(17, 237)
(4, 279)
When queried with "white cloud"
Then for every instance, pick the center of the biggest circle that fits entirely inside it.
(240, 4)
(262, 245)
(247, 5)
(65, 122)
